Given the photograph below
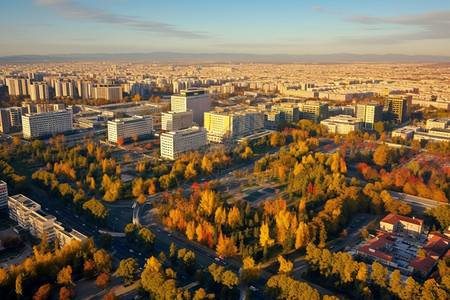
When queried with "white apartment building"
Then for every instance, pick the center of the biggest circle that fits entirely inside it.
(176, 120)
(39, 91)
(342, 124)
(3, 195)
(370, 113)
(229, 126)
(54, 122)
(174, 143)
(17, 86)
(29, 215)
(126, 128)
(199, 101)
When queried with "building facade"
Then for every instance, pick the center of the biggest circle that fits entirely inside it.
(288, 112)
(398, 108)
(370, 113)
(39, 91)
(29, 215)
(43, 124)
(199, 101)
(108, 92)
(124, 129)
(314, 111)
(229, 126)
(174, 143)
(342, 124)
(3, 195)
(176, 120)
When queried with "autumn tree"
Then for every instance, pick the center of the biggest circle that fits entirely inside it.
(66, 293)
(127, 269)
(65, 276)
(301, 236)
(250, 271)
(110, 296)
(43, 293)
(103, 280)
(286, 266)
(226, 246)
(103, 261)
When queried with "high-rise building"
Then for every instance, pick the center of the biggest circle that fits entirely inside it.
(5, 120)
(108, 92)
(228, 126)
(3, 195)
(398, 107)
(32, 107)
(39, 91)
(122, 130)
(65, 88)
(176, 120)
(314, 111)
(271, 120)
(17, 86)
(174, 143)
(289, 112)
(199, 101)
(15, 116)
(370, 113)
(43, 124)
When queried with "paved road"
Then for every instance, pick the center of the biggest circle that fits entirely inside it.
(417, 203)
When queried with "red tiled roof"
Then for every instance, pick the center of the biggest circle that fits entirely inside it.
(423, 263)
(394, 219)
(377, 243)
(437, 245)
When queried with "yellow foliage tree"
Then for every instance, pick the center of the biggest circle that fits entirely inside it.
(286, 266)
(207, 202)
(226, 246)
(234, 216)
(301, 236)
(264, 236)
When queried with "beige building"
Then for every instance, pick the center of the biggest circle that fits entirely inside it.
(229, 126)
(43, 124)
(29, 215)
(442, 123)
(342, 124)
(370, 113)
(174, 143)
(313, 110)
(108, 92)
(401, 225)
(199, 101)
(124, 129)
(288, 112)
(176, 120)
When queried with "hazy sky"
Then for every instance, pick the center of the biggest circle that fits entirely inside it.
(245, 26)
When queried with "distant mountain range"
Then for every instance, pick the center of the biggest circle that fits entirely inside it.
(228, 57)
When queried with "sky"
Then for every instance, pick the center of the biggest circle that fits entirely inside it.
(230, 26)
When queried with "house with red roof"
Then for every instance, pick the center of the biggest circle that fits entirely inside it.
(404, 226)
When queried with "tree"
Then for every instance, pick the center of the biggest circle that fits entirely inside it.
(43, 293)
(110, 296)
(103, 261)
(130, 232)
(103, 280)
(379, 275)
(379, 127)
(230, 279)
(442, 214)
(128, 269)
(201, 294)
(66, 293)
(226, 246)
(396, 283)
(382, 156)
(65, 276)
(208, 202)
(302, 236)
(3, 277)
(146, 238)
(264, 236)
(286, 266)
(250, 271)
(18, 285)
(89, 268)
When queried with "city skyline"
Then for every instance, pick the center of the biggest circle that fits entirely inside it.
(263, 27)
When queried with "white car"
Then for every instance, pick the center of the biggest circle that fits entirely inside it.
(253, 289)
